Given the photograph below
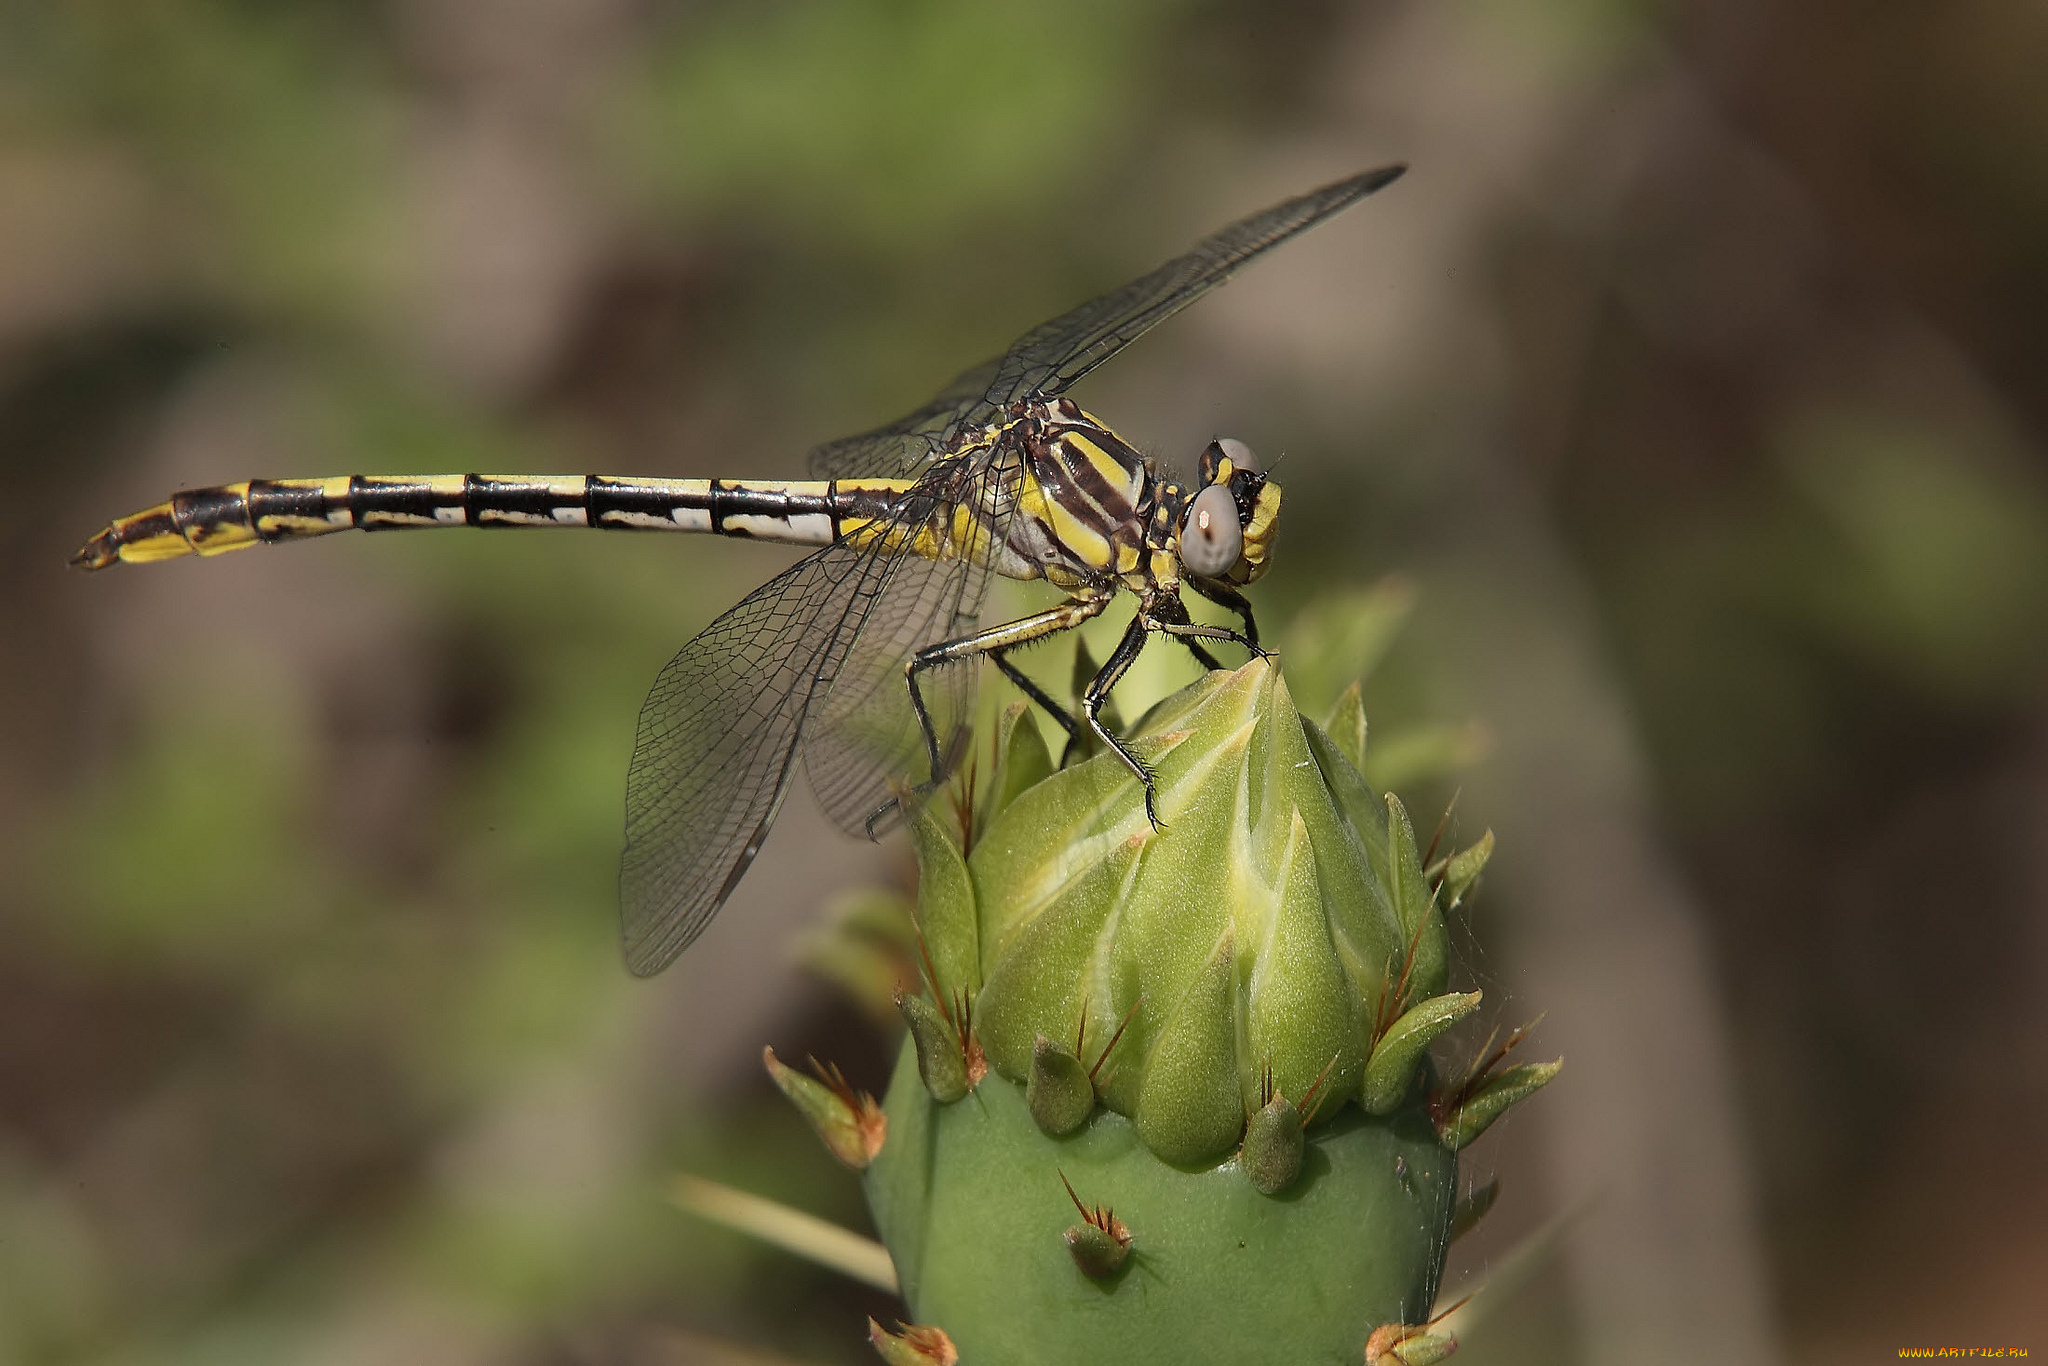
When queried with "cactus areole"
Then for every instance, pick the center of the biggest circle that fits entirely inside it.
(1221, 986)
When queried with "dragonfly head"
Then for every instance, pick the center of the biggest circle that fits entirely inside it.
(1228, 529)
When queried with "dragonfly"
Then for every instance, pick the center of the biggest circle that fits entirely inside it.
(857, 661)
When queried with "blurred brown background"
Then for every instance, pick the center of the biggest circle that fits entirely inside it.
(1694, 376)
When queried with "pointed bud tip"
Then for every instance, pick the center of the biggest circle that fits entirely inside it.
(1058, 1092)
(1273, 1146)
(849, 1123)
(914, 1344)
(1396, 1058)
(1493, 1098)
(1097, 1252)
(941, 1054)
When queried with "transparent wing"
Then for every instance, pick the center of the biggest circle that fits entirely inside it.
(1048, 359)
(904, 448)
(867, 747)
(867, 741)
(718, 739)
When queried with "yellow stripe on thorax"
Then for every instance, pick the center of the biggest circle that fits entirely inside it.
(1079, 539)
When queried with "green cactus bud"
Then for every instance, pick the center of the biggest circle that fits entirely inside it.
(1255, 926)
(851, 1124)
(1273, 1146)
(941, 1055)
(1463, 868)
(1097, 1253)
(1256, 948)
(1059, 1092)
(1482, 1105)
(1100, 1243)
(1390, 1072)
(946, 929)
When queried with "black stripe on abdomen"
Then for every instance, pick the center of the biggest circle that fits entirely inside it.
(490, 501)
(213, 517)
(768, 513)
(381, 504)
(278, 509)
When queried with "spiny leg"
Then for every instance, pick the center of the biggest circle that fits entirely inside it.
(1001, 659)
(1170, 609)
(1097, 692)
(1225, 596)
(1170, 614)
(994, 642)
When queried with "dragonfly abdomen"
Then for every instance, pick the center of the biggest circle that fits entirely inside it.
(212, 521)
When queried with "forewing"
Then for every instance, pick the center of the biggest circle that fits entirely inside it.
(904, 449)
(717, 741)
(1048, 359)
(867, 746)
(868, 749)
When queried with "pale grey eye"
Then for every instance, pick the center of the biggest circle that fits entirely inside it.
(1240, 454)
(1210, 538)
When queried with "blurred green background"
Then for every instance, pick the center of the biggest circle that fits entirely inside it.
(1695, 378)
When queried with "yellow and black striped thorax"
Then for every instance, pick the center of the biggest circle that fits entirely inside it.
(1083, 500)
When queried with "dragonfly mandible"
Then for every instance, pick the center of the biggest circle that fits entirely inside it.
(840, 661)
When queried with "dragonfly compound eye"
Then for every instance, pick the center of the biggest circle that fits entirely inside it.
(1241, 455)
(1211, 539)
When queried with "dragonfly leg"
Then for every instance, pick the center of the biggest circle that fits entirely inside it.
(1225, 596)
(1171, 616)
(1097, 692)
(1072, 727)
(1168, 611)
(995, 643)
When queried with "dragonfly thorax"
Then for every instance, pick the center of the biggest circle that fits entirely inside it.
(1084, 498)
(1090, 512)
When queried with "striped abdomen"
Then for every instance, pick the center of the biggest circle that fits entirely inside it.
(215, 520)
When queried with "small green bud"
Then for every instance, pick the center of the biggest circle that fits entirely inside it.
(1100, 1242)
(1472, 1207)
(947, 932)
(916, 1344)
(1273, 1146)
(1058, 1091)
(1414, 901)
(1464, 868)
(1490, 1100)
(1097, 1253)
(849, 1122)
(1390, 1072)
(941, 1059)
